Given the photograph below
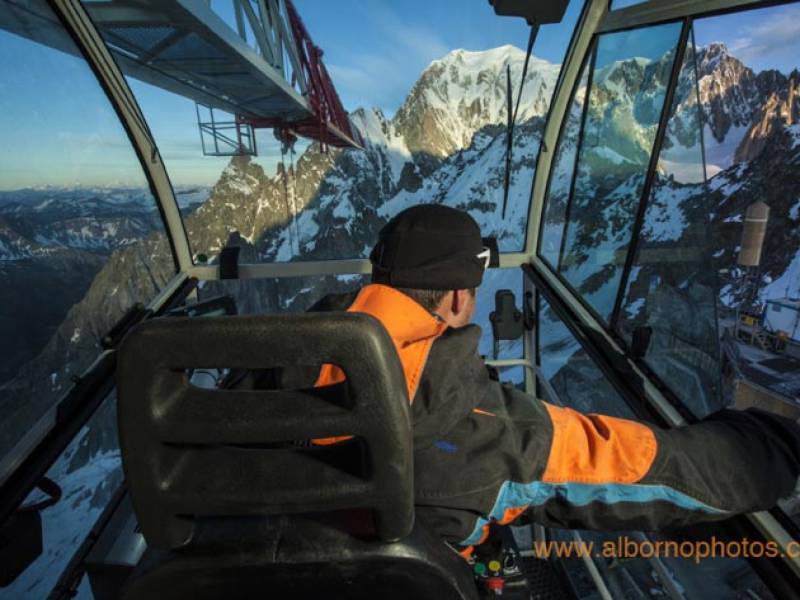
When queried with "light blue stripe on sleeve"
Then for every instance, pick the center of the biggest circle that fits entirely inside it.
(537, 493)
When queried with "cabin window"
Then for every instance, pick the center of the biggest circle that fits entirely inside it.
(553, 219)
(669, 299)
(629, 73)
(444, 143)
(81, 241)
(81, 238)
(679, 242)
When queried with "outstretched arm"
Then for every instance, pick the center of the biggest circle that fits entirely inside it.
(614, 474)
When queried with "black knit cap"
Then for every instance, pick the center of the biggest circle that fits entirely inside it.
(429, 247)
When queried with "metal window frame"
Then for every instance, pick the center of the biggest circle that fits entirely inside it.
(98, 57)
(300, 268)
(589, 62)
(658, 11)
(593, 14)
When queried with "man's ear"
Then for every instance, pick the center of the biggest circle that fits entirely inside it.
(455, 303)
(459, 301)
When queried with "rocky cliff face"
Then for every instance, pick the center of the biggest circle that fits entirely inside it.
(780, 109)
(742, 108)
(728, 90)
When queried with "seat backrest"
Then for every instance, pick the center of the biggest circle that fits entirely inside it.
(191, 453)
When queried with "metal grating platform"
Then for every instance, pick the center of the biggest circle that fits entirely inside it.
(184, 47)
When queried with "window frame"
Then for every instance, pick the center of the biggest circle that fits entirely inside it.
(588, 56)
(79, 26)
(649, 175)
(654, 12)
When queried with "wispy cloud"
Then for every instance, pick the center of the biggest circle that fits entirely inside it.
(769, 39)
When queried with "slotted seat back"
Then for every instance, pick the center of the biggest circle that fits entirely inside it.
(190, 453)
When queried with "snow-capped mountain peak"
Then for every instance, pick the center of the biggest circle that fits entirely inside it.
(465, 91)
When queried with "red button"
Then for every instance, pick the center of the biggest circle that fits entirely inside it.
(495, 583)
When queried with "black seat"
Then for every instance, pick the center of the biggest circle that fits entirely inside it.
(232, 506)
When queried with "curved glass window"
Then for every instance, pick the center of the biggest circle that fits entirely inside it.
(81, 242)
(81, 239)
(629, 77)
(670, 296)
(559, 186)
(442, 141)
(709, 300)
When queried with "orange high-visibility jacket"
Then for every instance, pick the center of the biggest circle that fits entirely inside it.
(485, 451)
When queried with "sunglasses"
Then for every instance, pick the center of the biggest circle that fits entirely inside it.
(486, 256)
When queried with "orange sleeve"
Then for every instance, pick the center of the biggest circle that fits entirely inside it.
(597, 448)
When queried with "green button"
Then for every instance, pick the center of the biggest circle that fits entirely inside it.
(479, 568)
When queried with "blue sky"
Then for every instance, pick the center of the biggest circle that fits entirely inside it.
(651, 43)
(767, 38)
(58, 129)
(376, 50)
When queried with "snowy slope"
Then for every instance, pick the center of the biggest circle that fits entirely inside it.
(86, 488)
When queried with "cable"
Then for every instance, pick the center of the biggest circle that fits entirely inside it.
(289, 215)
(512, 118)
(294, 197)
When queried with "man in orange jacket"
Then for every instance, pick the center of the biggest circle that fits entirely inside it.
(486, 452)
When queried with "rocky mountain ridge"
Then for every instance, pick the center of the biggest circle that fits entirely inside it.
(742, 108)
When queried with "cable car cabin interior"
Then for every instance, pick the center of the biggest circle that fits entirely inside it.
(180, 183)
